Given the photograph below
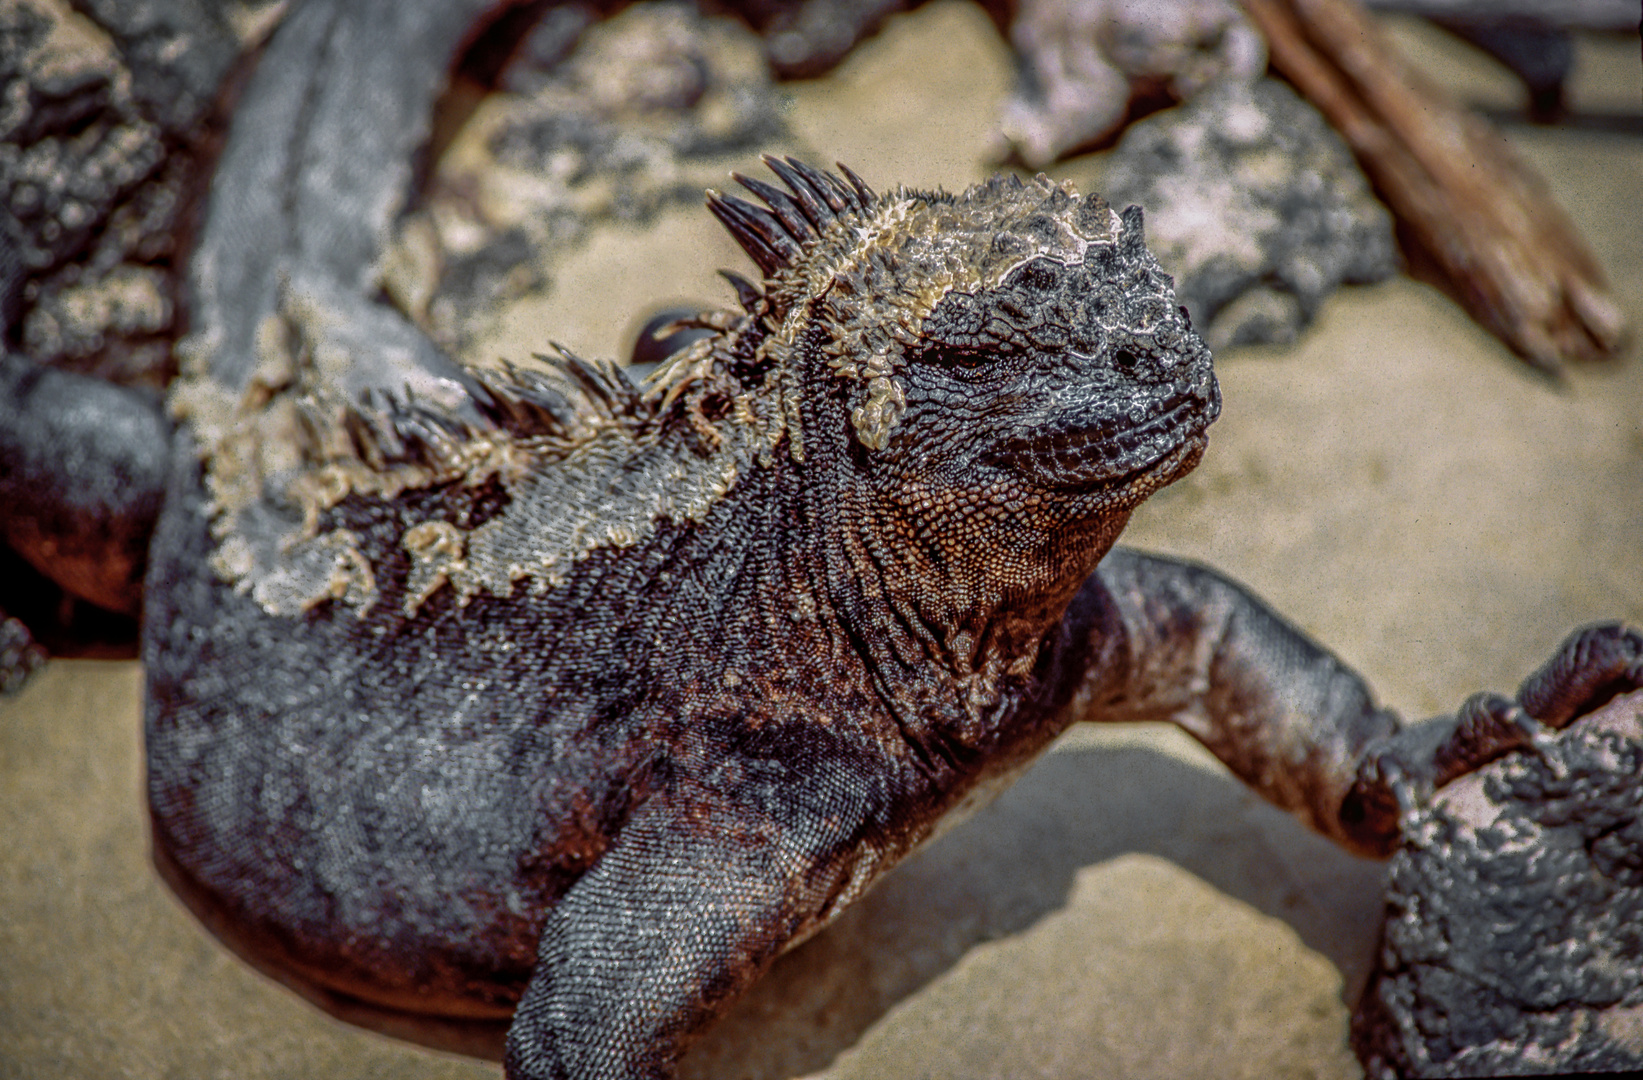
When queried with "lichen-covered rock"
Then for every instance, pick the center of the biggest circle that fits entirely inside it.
(177, 51)
(807, 38)
(1514, 936)
(102, 135)
(646, 111)
(1255, 206)
(130, 304)
(1081, 61)
(72, 143)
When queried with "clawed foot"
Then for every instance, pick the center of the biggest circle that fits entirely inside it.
(1398, 778)
(1487, 726)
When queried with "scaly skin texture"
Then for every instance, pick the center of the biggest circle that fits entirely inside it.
(590, 699)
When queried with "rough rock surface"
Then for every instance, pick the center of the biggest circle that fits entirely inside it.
(1080, 62)
(806, 38)
(1257, 208)
(102, 130)
(650, 108)
(1514, 935)
(19, 655)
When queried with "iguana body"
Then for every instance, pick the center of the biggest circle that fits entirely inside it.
(605, 695)
(775, 614)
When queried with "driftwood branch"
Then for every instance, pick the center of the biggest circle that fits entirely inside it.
(1512, 256)
(1588, 14)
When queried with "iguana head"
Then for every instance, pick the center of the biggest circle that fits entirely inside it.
(1011, 359)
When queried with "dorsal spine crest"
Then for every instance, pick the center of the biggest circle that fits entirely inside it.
(587, 458)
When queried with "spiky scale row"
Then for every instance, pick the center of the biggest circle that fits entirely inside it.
(550, 410)
(747, 293)
(864, 194)
(776, 236)
(760, 234)
(567, 397)
(786, 210)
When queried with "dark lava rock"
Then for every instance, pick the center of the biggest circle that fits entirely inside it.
(1255, 205)
(1514, 936)
(807, 38)
(1084, 67)
(104, 128)
(643, 112)
(20, 657)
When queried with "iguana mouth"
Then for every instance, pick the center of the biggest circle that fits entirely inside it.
(1116, 454)
(1174, 464)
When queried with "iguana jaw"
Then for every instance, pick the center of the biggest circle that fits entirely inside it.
(1175, 464)
(1108, 455)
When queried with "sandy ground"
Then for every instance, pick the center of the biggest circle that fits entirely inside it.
(1396, 483)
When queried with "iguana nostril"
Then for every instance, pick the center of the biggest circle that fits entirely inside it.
(1125, 361)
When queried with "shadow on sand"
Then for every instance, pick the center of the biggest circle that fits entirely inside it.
(1014, 865)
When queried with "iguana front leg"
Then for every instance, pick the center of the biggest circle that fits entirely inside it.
(1592, 666)
(1178, 642)
(706, 885)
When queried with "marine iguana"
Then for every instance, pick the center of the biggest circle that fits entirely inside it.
(416, 798)
(581, 701)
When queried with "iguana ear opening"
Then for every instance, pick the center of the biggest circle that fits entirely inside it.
(775, 234)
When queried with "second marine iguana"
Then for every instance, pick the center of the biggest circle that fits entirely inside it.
(580, 701)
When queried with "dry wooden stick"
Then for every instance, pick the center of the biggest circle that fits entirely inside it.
(1487, 218)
